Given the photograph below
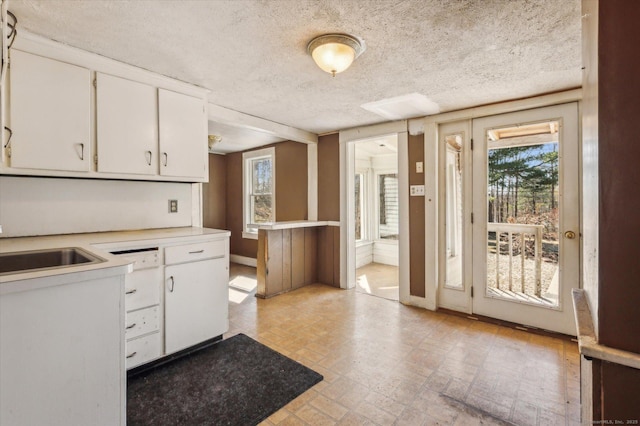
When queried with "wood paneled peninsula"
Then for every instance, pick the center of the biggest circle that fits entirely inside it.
(296, 253)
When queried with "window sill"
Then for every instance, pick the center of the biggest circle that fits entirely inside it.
(250, 235)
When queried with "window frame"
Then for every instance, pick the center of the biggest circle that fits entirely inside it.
(247, 184)
(376, 232)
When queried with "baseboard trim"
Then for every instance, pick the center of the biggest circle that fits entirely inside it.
(243, 260)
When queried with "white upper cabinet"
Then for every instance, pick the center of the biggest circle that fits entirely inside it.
(183, 135)
(50, 114)
(127, 126)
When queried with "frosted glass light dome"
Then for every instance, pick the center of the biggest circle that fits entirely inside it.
(334, 53)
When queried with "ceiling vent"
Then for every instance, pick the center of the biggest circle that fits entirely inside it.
(401, 107)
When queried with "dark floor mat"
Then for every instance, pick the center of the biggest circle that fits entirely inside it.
(236, 381)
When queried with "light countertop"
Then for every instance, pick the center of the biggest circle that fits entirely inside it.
(294, 224)
(97, 244)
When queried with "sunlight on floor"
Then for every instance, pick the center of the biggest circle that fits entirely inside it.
(243, 283)
(236, 296)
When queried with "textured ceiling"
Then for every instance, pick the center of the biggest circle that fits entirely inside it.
(252, 53)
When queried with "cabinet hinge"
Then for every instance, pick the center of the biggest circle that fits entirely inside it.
(472, 292)
(471, 218)
(471, 144)
(95, 83)
(95, 159)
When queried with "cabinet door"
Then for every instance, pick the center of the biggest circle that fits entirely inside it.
(50, 104)
(127, 126)
(196, 302)
(183, 135)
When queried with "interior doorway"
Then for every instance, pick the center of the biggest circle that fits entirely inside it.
(376, 208)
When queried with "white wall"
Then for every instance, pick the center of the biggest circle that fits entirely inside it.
(364, 253)
(385, 252)
(44, 206)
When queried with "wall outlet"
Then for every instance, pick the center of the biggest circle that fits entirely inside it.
(416, 190)
(173, 206)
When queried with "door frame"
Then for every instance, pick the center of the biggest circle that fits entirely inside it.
(348, 138)
(428, 128)
(560, 318)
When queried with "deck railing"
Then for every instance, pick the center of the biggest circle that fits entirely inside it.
(515, 231)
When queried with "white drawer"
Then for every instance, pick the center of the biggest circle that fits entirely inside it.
(195, 251)
(142, 288)
(143, 349)
(141, 322)
(142, 258)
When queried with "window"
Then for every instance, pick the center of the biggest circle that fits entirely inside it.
(388, 206)
(259, 189)
(359, 204)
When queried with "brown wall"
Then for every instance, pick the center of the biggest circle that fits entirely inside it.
(416, 219)
(619, 109)
(618, 148)
(214, 194)
(291, 192)
(291, 181)
(329, 177)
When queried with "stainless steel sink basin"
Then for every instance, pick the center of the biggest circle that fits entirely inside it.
(29, 261)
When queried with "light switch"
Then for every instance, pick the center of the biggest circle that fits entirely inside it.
(416, 190)
(419, 167)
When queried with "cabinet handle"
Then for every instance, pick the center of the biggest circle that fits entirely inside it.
(131, 355)
(129, 327)
(81, 152)
(197, 251)
(130, 291)
(149, 160)
(166, 158)
(172, 284)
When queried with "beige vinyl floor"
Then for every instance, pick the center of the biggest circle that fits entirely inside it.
(378, 280)
(385, 363)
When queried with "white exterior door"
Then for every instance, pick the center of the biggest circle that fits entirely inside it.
(526, 230)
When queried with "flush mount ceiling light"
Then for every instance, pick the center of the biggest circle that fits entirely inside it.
(214, 139)
(334, 53)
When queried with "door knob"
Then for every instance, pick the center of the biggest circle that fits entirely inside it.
(570, 235)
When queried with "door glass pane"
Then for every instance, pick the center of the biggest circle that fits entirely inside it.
(523, 213)
(454, 212)
(388, 206)
(358, 206)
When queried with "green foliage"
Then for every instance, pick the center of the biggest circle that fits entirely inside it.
(523, 181)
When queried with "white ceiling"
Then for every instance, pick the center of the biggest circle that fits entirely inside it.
(252, 53)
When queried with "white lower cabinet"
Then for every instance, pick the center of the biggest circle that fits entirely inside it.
(193, 308)
(143, 349)
(179, 305)
(61, 352)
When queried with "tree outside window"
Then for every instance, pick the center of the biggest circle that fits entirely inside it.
(259, 189)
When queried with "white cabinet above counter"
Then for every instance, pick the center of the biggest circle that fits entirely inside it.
(72, 113)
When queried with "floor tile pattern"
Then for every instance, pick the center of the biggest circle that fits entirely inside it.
(388, 364)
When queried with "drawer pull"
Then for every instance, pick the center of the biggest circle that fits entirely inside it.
(197, 251)
(131, 355)
(130, 291)
(129, 327)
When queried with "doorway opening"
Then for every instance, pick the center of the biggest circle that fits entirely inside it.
(377, 219)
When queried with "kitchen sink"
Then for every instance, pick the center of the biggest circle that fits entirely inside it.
(37, 260)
